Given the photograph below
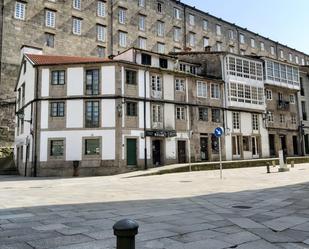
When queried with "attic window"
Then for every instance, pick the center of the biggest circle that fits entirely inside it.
(146, 59)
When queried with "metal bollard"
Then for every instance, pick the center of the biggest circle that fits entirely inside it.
(268, 167)
(292, 164)
(125, 230)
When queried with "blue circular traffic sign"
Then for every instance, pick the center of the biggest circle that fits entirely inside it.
(219, 132)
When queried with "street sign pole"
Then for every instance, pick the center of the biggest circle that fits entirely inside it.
(220, 156)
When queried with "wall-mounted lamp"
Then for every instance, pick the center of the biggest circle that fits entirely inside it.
(119, 110)
(21, 115)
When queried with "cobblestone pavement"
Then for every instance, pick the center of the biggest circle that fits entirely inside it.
(247, 209)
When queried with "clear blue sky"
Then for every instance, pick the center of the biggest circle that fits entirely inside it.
(285, 21)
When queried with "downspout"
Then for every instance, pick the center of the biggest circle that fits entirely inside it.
(36, 123)
(238, 38)
(1, 37)
(111, 38)
(145, 123)
(185, 28)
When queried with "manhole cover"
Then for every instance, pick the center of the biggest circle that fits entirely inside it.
(241, 207)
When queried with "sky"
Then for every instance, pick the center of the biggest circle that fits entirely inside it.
(285, 21)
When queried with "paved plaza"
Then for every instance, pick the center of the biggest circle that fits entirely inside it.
(247, 209)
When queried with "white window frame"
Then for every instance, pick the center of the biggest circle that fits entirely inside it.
(177, 34)
(205, 25)
(101, 33)
(101, 9)
(236, 121)
(141, 22)
(269, 94)
(160, 28)
(255, 122)
(262, 44)
(242, 38)
(180, 85)
(218, 30)
(201, 88)
(141, 3)
(252, 43)
(122, 39)
(205, 42)
(192, 19)
(50, 18)
(77, 4)
(20, 10)
(192, 39)
(77, 26)
(122, 16)
(142, 43)
(180, 113)
(177, 15)
(292, 99)
(272, 50)
(215, 91)
(160, 47)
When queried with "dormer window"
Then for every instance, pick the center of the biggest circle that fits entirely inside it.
(163, 63)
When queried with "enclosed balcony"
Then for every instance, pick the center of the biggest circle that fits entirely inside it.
(283, 105)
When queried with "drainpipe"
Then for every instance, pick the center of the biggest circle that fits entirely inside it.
(145, 123)
(238, 38)
(185, 28)
(35, 138)
(111, 38)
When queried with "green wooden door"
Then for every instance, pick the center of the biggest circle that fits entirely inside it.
(131, 152)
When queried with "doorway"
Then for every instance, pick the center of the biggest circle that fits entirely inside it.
(204, 148)
(182, 155)
(307, 144)
(156, 152)
(272, 148)
(295, 145)
(283, 143)
(236, 146)
(131, 152)
(255, 147)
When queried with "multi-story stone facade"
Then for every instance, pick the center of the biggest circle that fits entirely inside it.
(303, 103)
(103, 28)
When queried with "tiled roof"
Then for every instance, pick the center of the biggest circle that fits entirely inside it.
(42, 60)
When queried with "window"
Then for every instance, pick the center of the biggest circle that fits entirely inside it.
(122, 16)
(56, 148)
(242, 52)
(191, 39)
(142, 43)
(57, 109)
(177, 34)
(262, 46)
(49, 40)
(293, 119)
(180, 113)
(219, 46)
(77, 26)
(122, 39)
(215, 91)
(252, 43)
(77, 4)
(92, 147)
(290, 57)
(292, 99)
(236, 121)
(304, 111)
(141, 3)
(101, 9)
(245, 143)
(141, 23)
(218, 30)
(205, 25)
(163, 63)
(131, 109)
(214, 144)
(156, 83)
(270, 117)
(92, 82)
(101, 33)
(146, 59)
(206, 42)
(272, 50)
(255, 122)
(201, 89)
(303, 61)
(203, 114)
(131, 77)
(159, 7)
(302, 89)
(268, 94)
(215, 115)
(177, 13)
(50, 18)
(282, 118)
(92, 114)
(160, 28)
(23, 93)
(161, 47)
(180, 85)
(58, 77)
(101, 51)
(191, 19)
(20, 10)
(242, 38)
(231, 34)
(281, 54)
(157, 114)
(296, 59)
(231, 49)
(282, 73)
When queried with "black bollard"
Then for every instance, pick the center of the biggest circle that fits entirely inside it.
(125, 230)
(268, 167)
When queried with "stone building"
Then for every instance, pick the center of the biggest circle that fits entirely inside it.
(303, 103)
(103, 28)
(106, 115)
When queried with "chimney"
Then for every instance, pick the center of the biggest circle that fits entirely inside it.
(25, 49)
(207, 49)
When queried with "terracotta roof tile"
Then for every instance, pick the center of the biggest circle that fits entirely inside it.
(62, 59)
